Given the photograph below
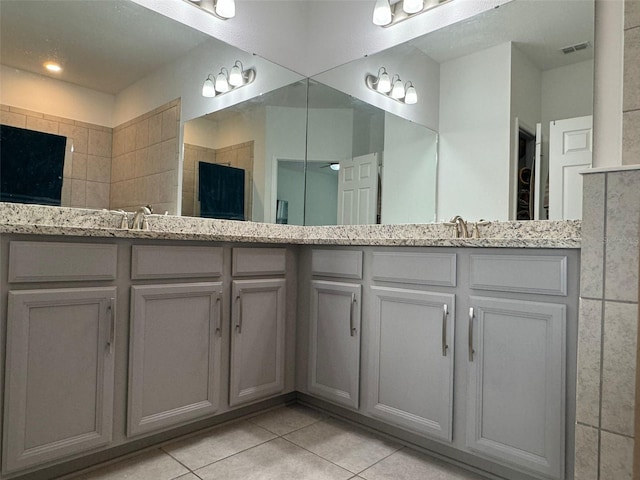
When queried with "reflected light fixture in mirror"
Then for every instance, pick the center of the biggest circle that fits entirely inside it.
(226, 81)
(390, 12)
(223, 9)
(392, 88)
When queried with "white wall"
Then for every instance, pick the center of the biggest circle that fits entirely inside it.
(330, 134)
(54, 97)
(321, 196)
(291, 188)
(409, 172)
(473, 163)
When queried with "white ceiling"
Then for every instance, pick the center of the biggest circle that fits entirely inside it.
(105, 45)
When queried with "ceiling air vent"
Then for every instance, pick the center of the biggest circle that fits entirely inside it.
(575, 48)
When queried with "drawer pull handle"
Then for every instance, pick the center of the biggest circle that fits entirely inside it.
(471, 351)
(112, 323)
(352, 328)
(239, 323)
(445, 314)
(219, 319)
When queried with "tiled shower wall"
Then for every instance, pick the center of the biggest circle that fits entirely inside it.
(145, 161)
(608, 328)
(87, 170)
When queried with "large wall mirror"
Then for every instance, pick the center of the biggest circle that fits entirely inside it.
(509, 94)
(500, 95)
(130, 80)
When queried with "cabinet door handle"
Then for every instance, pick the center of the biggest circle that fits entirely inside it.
(219, 319)
(352, 328)
(239, 323)
(471, 351)
(445, 314)
(112, 323)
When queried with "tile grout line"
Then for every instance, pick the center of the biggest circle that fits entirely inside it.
(319, 456)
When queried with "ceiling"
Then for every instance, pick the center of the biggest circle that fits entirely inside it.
(539, 28)
(104, 45)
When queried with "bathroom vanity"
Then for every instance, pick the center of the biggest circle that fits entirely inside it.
(463, 347)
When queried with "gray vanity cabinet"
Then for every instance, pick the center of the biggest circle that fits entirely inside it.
(59, 370)
(174, 354)
(175, 339)
(334, 342)
(516, 357)
(411, 360)
(257, 325)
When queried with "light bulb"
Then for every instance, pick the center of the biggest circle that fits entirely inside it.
(235, 76)
(208, 89)
(412, 6)
(226, 8)
(382, 13)
(334, 166)
(397, 91)
(384, 83)
(53, 67)
(222, 85)
(411, 96)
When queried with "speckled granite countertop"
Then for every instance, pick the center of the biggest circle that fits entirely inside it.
(45, 220)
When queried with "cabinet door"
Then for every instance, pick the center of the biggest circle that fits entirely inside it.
(59, 377)
(411, 376)
(334, 343)
(257, 340)
(175, 346)
(516, 383)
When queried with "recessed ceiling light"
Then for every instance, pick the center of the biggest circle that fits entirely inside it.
(53, 67)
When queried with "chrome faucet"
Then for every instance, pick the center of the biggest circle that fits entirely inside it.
(461, 226)
(140, 218)
(477, 225)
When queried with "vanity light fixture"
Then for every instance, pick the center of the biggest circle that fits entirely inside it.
(335, 166)
(226, 81)
(390, 12)
(52, 67)
(392, 88)
(223, 9)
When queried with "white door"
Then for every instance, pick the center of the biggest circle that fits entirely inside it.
(358, 190)
(570, 151)
(539, 179)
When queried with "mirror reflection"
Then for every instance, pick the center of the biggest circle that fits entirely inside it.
(510, 94)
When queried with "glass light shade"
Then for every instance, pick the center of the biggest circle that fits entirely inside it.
(411, 96)
(226, 8)
(222, 84)
(335, 166)
(412, 6)
(384, 83)
(235, 76)
(208, 89)
(398, 90)
(382, 13)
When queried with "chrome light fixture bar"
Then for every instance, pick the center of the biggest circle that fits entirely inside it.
(223, 9)
(226, 81)
(392, 88)
(390, 12)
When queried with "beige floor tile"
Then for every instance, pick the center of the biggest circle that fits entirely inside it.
(153, 465)
(216, 444)
(287, 419)
(188, 476)
(274, 460)
(343, 444)
(409, 465)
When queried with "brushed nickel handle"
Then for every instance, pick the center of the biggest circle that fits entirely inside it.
(445, 314)
(352, 328)
(112, 327)
(219, 319)
(471, 350)
(239, 324)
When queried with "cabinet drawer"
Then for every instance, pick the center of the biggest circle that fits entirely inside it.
(535, 274)
(420, 268)
(258, 261)
(337, 263)
(159, 261)
(54, 262)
